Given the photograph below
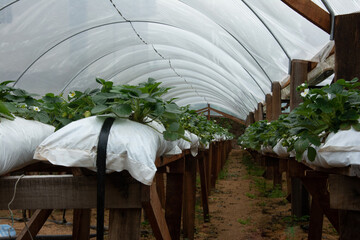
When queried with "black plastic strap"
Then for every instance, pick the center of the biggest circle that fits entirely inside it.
(101, 170)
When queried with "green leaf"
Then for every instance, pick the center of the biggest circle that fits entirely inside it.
(301, 145)
(356, 127)
(311, 154)
(173, 108)
(174, 126)
(122, 110)
(170, 136)
(345, 126)
(98, 109)
(4, 112)
(42, 117)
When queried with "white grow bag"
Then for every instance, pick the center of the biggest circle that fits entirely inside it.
(18, 141)
(131, 146)
(340, 149)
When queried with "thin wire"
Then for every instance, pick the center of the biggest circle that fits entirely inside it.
(11, 212)
(155, 50)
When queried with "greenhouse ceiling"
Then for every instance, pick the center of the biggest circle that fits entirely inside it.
(224, 53)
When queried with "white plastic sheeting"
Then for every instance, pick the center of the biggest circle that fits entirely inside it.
(242, 45)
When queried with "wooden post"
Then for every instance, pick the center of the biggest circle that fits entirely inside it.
(268, 101)
(251, 118)
(124, 223)
(204, 189)
(189, 196)
(256, 115)
(260, 112)
(298, 76)
(214, 164)
(299, 195)
(347, 46)
(347, 66)
(81, 224)
(276, 100)
(209, 161)
(174, 190)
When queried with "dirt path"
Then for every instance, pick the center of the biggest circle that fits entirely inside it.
(244, 206)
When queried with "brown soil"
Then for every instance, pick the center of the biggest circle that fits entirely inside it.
(241, 207)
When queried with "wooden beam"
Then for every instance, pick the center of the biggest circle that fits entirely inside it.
(347, 46)
(36, 222)
(152, 207)
(311, 12)
(66, 192)
(203, 182)
(235, 119)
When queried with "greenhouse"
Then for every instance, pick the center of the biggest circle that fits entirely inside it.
(166, 119)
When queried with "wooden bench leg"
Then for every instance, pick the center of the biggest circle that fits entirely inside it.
(173, 206)
(81, 224)
(189, 197)
(204, 192)
(316, 220)
(152, 207)
(36, 222)
(124, 224)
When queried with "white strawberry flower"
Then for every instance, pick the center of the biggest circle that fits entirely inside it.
(71, 94)
(36, 109)
(305, 92)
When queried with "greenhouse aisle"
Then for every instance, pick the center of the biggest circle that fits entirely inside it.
(243, 206)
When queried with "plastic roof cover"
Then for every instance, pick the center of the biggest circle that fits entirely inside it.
(224, 53)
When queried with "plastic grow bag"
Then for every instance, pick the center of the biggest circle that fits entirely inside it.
(18, 141)
(132, 146)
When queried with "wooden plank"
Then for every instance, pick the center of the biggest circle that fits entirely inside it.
(67, 192)
(174, 195)
(351, 171)
(204, 190)
(164, 160)
(36, 222)
(124, 224)
(299, 71)
(347, 46)
(268, 100)
(81, 224)
(311, 12)
(276, 100)
(189, 197)
(152, 207)
(345, 192)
